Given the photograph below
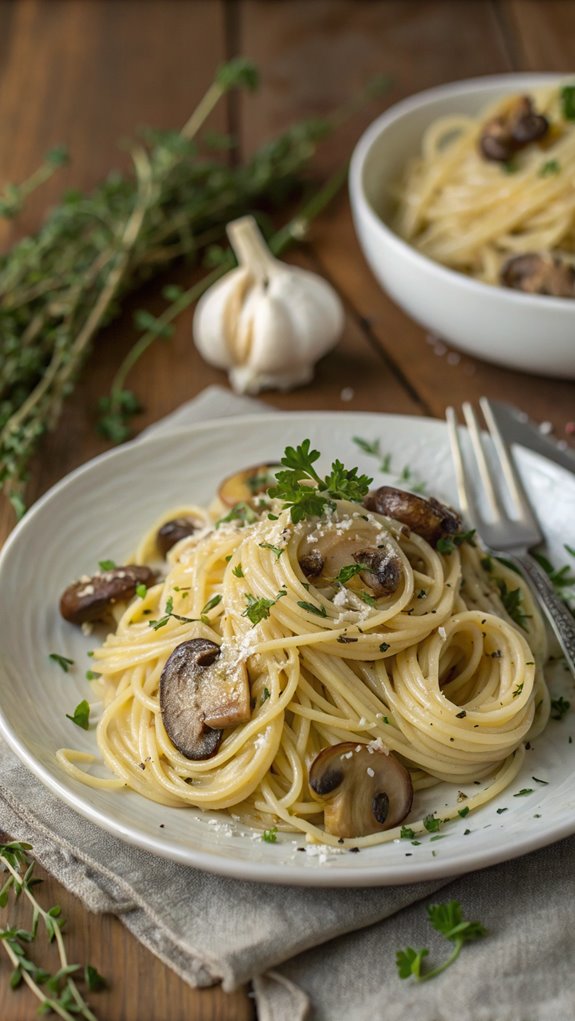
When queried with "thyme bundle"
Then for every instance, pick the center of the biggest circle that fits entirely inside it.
(61, 286)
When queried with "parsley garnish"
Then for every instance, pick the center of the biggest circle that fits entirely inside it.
(366, 598)
(91, 675)
(550, 167)
(512, 599)
(368, 446)
(523, 792)
(211, 603)
(162, 621)
(448, 920)
(238, 571)
(270, 836)
(81, 716)
(266, 694)
(320, 611)
(432, 823)
(305, 501)
(259, 609)
(406, 833)
(62, 661)
(141, 590)
(510, 167)
(463, 811)
(559, 706)
(107, 565)
(348, 572)
(568, 102)
(278, 550)
(94, 980)
(517, 691)
(447, 545)
(241, 512)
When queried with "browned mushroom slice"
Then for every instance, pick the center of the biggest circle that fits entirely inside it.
(383, 569)
(92, 599)
(172, 531)
(431, 519)
(511, 131)
(311, 563)
(200, 694)
(364, 789)
(244, 485)
(539, 274)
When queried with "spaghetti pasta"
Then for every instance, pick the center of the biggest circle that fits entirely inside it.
(433, 670)
(473, 214)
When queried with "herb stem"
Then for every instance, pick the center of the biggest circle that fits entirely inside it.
(34, 988)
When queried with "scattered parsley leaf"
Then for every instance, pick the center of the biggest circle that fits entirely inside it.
(432, 823)
(91, 675)
(270, 836)
(266, 694)
(211, 604)
(447, 919)
(406, 833)
(141, 590)
(463, 811)
(278, 550)
(81, 715)
(549, 168)
(320, 611)
(367, 598)
(568, 102)
(94, 980)
(409, 962)
(559, 707)
(107, 565)
(523, 792)
(544, 783)
(447, 545)
(384, 647)
(512, 600)
(62, 661)
(517, 691)
(238, 571)
(368, 446)
(349, 571)
(259, 609)
(241, 512)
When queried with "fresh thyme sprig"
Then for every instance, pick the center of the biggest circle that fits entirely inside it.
(306, 493)
(448, 920)
(62, 285)
(56, 992)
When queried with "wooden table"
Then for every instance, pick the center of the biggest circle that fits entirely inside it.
(88, 73)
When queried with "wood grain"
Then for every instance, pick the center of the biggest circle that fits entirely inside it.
(89, 73)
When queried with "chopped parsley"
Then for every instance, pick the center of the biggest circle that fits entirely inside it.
(169, 612)
(447, 919)
(517, 691)
(266, 694)
(320, 611)
(91, 675)
(368, 446)
(463, 811)
(349, 571)
(270, 836)
(241, 512)
(211, 604)
(107, 565)
(523, 792)
(278, 550)
(512, 600)
(62, 661)
(549, 168)
(559, 707)
(384, 647)
(259, 609)
(81, 715)
(238, 571)
(448, 544)
(366, 598)
(432, 823)
(305, 501)
(406, 833)
(141, 590)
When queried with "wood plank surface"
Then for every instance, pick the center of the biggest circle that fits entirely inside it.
(91, 72)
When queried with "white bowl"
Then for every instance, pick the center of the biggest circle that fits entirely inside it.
(528, 332)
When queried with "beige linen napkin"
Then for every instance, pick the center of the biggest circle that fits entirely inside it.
(324, 954)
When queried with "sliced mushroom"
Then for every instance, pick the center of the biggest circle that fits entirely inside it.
(172, 531)
(539, 274)
(511, 131)
(364, 789)
(200, 694)
(244, 485)
(311, 563)
(92, 599)
(384, 569)
(431, 519)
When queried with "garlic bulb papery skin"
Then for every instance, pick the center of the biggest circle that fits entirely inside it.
(266, 322)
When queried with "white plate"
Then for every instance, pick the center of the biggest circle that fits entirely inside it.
(100, 510)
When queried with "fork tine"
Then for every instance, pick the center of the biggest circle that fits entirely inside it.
(505, 459)
(475, 435)
(466, 501)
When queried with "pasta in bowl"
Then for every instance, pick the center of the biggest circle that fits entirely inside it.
(312, 658)
(438, 219)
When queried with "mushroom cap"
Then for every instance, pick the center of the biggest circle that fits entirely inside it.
(171, 532)
(512, 130)
(334, 550)
(201, 693)
(537, 273)
(242, 486)
(429, 518)
(364, 789)
(92, 599)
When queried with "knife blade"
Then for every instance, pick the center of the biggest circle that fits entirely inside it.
(516, 427)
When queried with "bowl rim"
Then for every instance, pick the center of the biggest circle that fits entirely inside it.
(358, 197)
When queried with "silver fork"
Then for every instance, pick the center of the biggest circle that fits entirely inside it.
(500, 532)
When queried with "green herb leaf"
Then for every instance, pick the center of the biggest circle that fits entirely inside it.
(406, 833)
(409, 962)
(512, 600)
(94, 980)
(259, 609)
(320, 611)
(549, 168)
(384, 647)
(81, 715)
(568, 102)
(559, 707)
(523, 792)
(237, 571)
(141, 590)
(447, 545)
(62, 661)
(241, 512)
(349, 571)
(107, 565)
(368, 446)
(211, 604)
(270, 836)
(432, 823)
(277, 550)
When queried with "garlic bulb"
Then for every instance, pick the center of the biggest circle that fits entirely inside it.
(267, 323)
